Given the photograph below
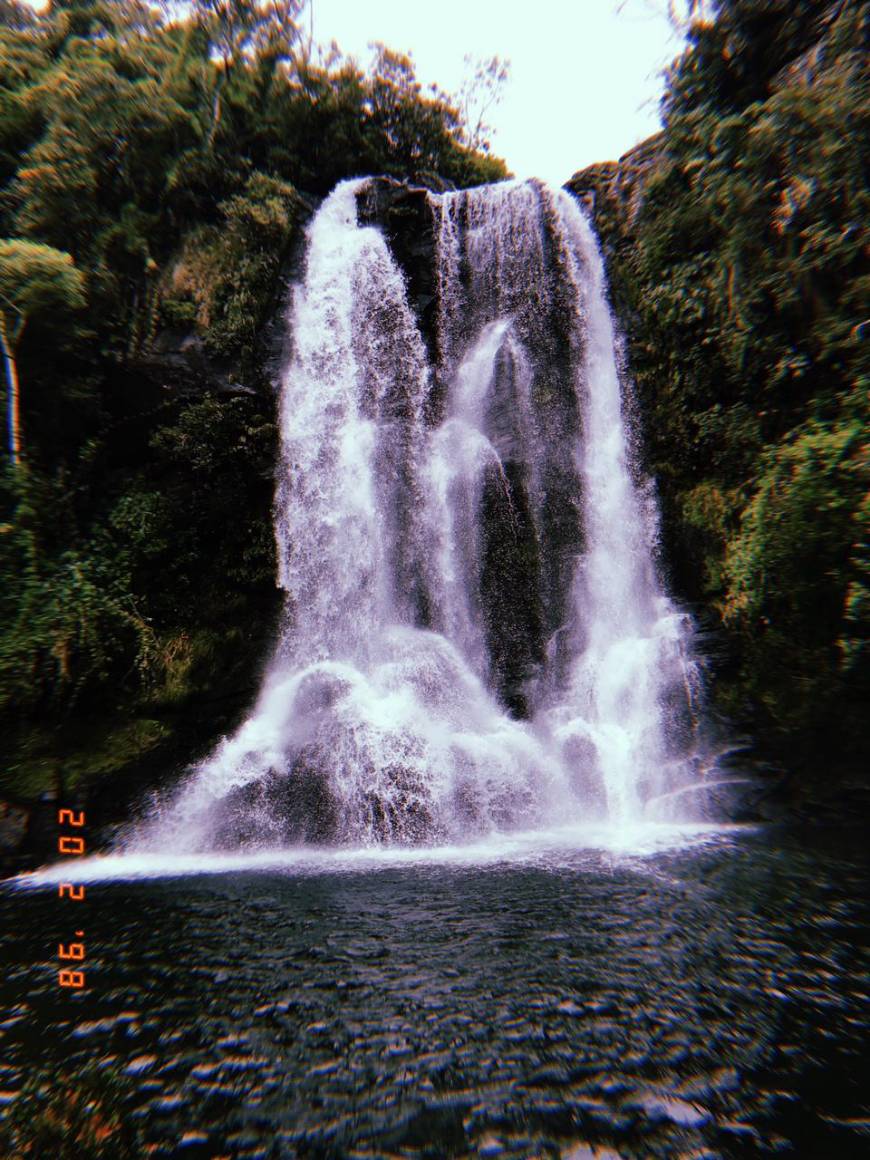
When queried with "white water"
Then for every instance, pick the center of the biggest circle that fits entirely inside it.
(565, 847)
(382, 718)
(630, 645)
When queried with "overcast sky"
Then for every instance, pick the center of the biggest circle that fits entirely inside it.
(585, 80)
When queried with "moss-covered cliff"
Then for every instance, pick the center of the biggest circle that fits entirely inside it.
(736, 246)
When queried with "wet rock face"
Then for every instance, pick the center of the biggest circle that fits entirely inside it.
(509, 587)
(404, 214)
(29, 829)
(283, 808)
(299, 806)
(523, 520)
(13, 825)
(613, 191)
(14, 820)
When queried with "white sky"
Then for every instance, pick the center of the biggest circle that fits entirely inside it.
(585, 79)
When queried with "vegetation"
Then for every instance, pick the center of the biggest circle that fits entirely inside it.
(34, 280)
(737, 245)
(154, 175)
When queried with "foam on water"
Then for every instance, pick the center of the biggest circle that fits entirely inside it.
(553, 849)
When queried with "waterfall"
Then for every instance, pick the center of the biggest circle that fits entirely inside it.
(475, 636)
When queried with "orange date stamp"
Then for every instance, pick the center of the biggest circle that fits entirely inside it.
(71, 844)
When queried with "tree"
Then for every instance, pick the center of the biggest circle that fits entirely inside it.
(416, 130)
(682, 15)
(240, 29)
(481, 90)
(34, 280)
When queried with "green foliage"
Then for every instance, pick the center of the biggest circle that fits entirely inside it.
(216, 458)
(68, 621)
(154, 621)
(37, 279)
(418, 129)
(739, 265)
(236, 28)
(225, 276)
(799, 518)
(792, 569)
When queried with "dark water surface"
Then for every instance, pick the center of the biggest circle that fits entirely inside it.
(703, 1002)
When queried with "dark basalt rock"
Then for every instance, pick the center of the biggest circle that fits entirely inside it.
(181, 359)
(612, 191)
(404, 213)
(522, 608)
(297, 806)
(29, 829)
(509, 586)
(14, 823)
(279, 809)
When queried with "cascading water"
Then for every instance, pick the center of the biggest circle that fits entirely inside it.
(475, 638)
